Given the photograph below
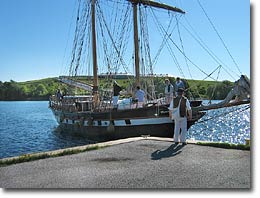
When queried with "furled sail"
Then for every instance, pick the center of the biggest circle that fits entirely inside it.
(74, 83)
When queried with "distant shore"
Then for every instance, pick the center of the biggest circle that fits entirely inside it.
(41, 89)
(27, 99)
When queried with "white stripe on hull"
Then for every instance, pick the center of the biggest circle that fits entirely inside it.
(130, 122)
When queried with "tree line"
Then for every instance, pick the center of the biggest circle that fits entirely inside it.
(42, 89)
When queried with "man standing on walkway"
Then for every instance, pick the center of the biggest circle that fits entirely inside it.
(185, 113)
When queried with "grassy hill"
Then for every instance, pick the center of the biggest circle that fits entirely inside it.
(41, 89)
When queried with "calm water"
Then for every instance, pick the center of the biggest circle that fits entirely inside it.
(28, 127)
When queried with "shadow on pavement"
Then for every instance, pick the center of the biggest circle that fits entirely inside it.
(171, 151)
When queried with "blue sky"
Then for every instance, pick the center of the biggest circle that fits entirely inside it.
(34, 36)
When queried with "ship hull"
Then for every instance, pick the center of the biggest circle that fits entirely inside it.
(112, 125)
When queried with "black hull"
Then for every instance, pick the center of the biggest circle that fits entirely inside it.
(101, 134)
(105, 126)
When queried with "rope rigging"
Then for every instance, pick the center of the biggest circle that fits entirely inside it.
(144, 42)
(197, 38)
(114, 36)
(82, 38)
(186, 62)
(123, 38)
(222, 41)
(146, 54)
(197, 92)
(75, 42)
(213, 92)
(182, 51)
(84, 24)
(164, 40)
(113, 42)
(189, 59)
(64, 67)
(114, 59)
(164, 33)
(82, 21)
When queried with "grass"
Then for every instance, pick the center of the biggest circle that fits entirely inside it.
(225, 145)
(71, 151)
(37, 156)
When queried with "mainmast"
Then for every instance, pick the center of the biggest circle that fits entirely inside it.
(136, 40)
(94, 54)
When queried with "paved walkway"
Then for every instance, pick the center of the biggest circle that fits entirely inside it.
(144, 163)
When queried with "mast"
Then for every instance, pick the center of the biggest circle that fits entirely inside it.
(136, 39)
(94, 54)
(136, 45)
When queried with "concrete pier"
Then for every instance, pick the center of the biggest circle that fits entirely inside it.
(136, 163)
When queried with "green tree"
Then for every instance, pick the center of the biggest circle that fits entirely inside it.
(11, 91)
(220, 90)
(40, 90)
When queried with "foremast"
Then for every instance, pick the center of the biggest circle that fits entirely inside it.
(94, 55)
(136, 39)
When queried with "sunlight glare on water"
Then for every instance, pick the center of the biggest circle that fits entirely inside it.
(230, 125)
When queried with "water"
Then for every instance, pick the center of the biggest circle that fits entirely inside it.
(231, 125)
(29, 127)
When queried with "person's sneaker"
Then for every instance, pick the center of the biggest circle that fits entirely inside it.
(184, 143)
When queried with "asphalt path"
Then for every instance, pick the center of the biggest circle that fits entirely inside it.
(142, 164)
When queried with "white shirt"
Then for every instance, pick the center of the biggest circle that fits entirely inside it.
(166, 89)
(139, 94)
(187, 105)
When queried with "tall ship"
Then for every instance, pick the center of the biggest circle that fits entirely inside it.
(97, 40)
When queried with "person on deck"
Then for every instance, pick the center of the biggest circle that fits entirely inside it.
(169, 91)
(59, 95)
(179, 84)
(140, 96)
(116, 93)
(185, 113)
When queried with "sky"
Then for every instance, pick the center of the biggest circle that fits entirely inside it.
(34, 37)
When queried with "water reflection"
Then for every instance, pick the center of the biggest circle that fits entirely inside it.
(230, 125)
(70, 138)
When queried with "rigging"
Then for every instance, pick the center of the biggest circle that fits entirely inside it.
(222, 41)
